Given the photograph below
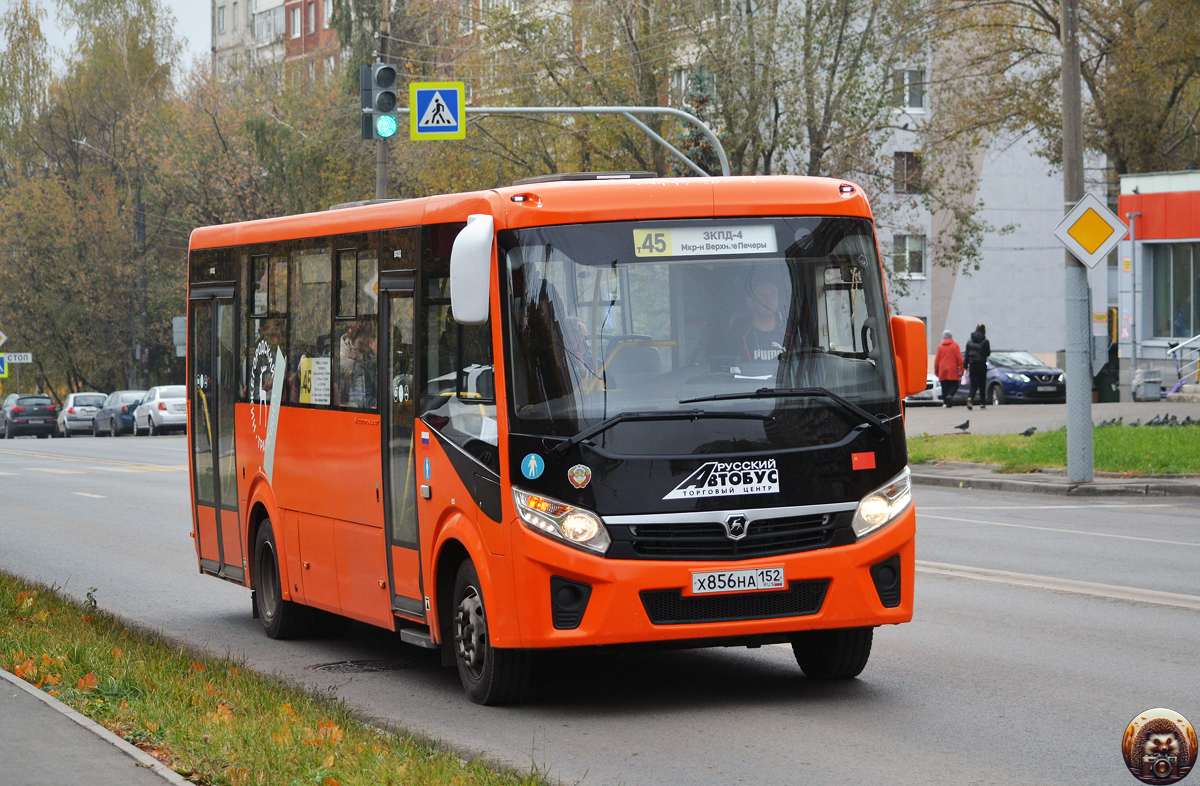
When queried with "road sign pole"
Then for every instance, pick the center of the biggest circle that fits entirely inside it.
(1080, 467)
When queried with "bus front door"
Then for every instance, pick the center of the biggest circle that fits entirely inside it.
(400, 449)
(213, 353)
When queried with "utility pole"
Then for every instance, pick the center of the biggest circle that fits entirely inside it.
(1078, 319)
(381, 145)
(142, 359)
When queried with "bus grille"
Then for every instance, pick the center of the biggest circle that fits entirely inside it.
(670, 607)
(707, 540)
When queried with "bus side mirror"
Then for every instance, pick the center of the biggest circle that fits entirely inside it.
(912, 355)
(471, 269)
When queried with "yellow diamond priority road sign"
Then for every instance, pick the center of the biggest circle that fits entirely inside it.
(1090, 230)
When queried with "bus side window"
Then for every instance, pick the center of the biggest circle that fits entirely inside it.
(309, 345)
(355, 342)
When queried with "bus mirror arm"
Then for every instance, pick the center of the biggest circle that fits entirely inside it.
(470, 270)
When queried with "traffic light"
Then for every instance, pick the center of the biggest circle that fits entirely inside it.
(378, 86)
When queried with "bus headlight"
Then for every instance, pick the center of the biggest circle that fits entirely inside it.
(567, 523)
(883, 505)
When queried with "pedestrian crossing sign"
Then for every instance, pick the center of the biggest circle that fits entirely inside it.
(437, 110)
(3, 367)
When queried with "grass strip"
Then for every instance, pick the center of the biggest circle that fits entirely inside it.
(213, 720)
(1145, 450)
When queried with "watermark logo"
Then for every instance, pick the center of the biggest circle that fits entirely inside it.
(1159, 746)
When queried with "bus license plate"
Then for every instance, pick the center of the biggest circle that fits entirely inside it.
(1045, 388)
(737, 580)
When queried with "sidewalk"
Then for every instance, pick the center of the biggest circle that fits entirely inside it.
(956, 474)
(45, 743)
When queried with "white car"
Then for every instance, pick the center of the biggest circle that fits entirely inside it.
(77, 412)
(163, 409)
(932, 394)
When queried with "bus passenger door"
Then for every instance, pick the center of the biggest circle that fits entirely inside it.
(399, 449)
(213, 349)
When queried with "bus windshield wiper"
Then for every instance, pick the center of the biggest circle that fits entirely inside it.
(623, 417)
(812, 392)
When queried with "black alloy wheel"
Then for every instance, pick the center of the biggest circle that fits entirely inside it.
(281, 619)
(839, 654)
(489, 675)
(996, 394)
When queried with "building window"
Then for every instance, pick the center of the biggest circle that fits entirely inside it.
(296, 22)
(1175, 270)
(312, 70)
(234, 9)
(909, 89)
(327, 7)
(909, 255)
(221, 20)
(330, 66)
(312, 18)
(906, 173)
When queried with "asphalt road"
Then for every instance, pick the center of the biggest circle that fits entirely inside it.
(1005, 681)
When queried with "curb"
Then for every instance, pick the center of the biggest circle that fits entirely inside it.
(1135, 489)
(137, 754)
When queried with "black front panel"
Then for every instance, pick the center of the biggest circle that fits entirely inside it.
(670, 607)
(708, 540)
(644, 484)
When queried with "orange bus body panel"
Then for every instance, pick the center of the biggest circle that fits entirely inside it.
(206, 532)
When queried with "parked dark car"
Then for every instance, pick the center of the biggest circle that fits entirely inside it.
(28, 413)
(116, 416)
(1015, 376)
(76, 413)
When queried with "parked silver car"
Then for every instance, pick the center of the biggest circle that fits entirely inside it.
(77, 412)
(163, 409)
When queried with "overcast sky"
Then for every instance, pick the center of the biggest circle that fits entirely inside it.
(193, 26)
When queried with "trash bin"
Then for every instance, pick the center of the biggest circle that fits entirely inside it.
(1147, 385)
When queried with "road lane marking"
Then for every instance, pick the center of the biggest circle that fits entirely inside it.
(1063, 531)
(85, 494)
(55, 470)
(85, 460)
(1112, 591)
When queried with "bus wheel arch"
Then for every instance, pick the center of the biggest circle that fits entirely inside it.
(450, 556)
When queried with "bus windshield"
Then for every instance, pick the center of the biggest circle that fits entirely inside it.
(648, 316)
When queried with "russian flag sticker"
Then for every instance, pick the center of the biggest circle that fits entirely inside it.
(862, 460)
(424, 438)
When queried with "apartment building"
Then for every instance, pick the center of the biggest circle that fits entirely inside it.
(256, 33)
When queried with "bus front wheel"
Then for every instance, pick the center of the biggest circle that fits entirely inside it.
(839, 654)
(489, 675)
(281, 619)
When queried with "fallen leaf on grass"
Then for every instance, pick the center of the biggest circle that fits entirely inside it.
(196, 666)
(329, 760)
(88, 618)
(328, 733)
(27, 670)
(331, 782)
(223, 713)
(87, 682)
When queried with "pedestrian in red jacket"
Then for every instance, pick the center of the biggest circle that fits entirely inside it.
(948, 365)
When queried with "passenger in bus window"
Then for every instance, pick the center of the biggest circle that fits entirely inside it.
(364, 379)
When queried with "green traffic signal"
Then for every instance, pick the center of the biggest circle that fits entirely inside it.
(386, 126)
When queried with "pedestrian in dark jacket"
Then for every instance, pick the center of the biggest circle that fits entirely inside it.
(975, 359)
(948, 365)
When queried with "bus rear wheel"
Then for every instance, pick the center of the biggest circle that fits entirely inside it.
(489, 675)
(839, 654)
(281, 619)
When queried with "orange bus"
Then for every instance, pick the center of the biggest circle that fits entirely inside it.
(584, 410)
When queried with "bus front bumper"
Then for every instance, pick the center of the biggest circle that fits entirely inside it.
(624, 593)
